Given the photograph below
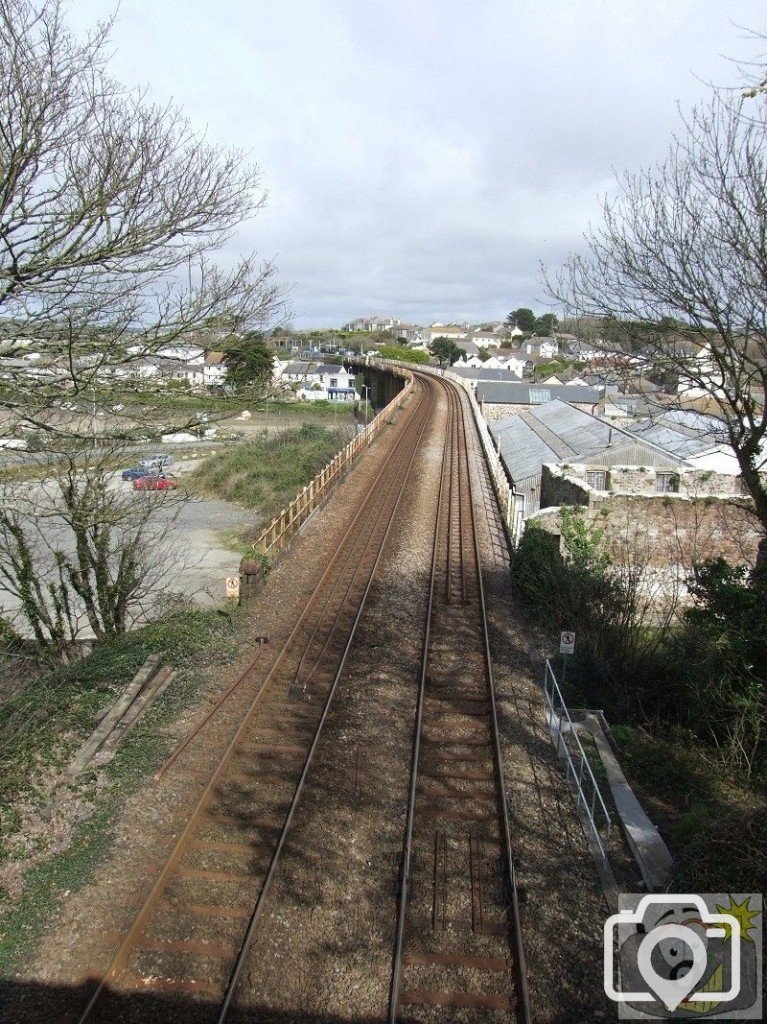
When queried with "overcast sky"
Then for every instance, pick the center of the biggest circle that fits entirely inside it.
(423, 158)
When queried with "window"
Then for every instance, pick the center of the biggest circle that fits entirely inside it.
(539, 395)
(334, 382)
(666, 483)
(597, 478)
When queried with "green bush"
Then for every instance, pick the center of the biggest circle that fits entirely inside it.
(406, 355)
(706, 676)
(721, 654)
(267, 473)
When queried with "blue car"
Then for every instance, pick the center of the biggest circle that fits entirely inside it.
(135, 472)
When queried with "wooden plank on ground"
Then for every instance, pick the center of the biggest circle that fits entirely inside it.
(136, 709)
(107, 724)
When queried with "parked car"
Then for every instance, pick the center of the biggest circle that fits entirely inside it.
(157, 462)
(136, 471)
(155, 483)
(152, 465)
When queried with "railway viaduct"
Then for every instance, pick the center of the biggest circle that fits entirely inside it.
(369, 827)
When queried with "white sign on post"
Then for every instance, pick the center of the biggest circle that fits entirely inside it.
(232, 587)
(566, 643)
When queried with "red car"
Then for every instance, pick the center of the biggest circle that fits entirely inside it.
(155, 483)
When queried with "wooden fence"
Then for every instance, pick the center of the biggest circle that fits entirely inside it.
(289, 521)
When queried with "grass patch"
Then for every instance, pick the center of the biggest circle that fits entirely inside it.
(52, 718)
(717, 831)
(404, 354)
(64, 704)
(266, 473)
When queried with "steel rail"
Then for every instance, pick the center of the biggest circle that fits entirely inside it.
(264, 892)
(523, 993)
(456, 434)
(196, 729)
(124, 951)
(256, 660)
(407, 849)
(252, 665)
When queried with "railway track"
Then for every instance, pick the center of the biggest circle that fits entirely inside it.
(459, 946)
(190, 938)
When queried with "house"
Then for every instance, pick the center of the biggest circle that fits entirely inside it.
(513, 362)
(321, 381)
(412, 334)
(485, 338)
(579, 349)
(195, 374)
(298, 371)
(493, 362)
(372, 324)
(499, 400)
(566, 376)
(468, 348)
(214, 369)
(502, 330)
(340, 386)
(541, 348)
(193, 354)
(451, 331)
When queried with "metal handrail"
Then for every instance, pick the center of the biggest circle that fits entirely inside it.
(551, 689)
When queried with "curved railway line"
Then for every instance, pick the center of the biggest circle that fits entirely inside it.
(458, 944)
(459, 937)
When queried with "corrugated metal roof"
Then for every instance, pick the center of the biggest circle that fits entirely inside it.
(582, 432)
(519, 394)
(471, 373)
(523, 452)
(681, 442)
(557, 432)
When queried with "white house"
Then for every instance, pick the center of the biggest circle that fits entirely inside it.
(193, 354)
(491, 363)
(513, 363)
(451, 331)
(486, 339)
(546, 348)
(214, 369)
(325, 381)
(371, 324)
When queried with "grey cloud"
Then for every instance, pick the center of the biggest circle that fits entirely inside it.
(423, 158)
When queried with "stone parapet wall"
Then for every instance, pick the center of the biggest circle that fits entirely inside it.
(668, 529)
(502, 410)
(631, 480)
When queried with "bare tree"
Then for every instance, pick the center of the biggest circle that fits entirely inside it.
(81, 554)
(680, 262)
(112, 211)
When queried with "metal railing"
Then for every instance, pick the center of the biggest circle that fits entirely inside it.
(578, 769)
(283, 527)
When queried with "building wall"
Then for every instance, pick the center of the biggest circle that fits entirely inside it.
(668, 529)
(631, 480)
